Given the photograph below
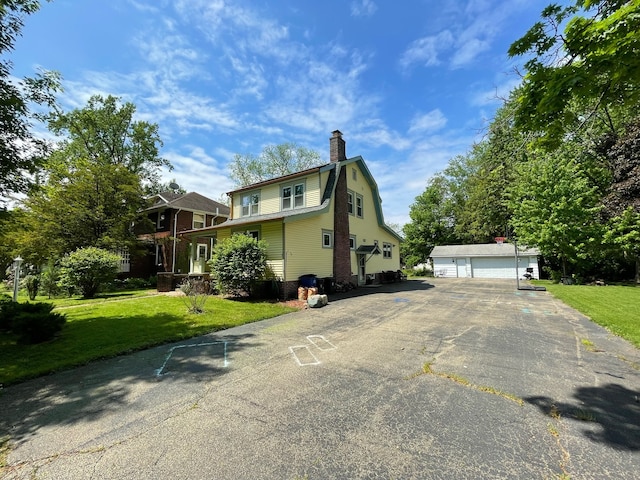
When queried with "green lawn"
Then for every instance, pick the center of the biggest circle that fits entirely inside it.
(613, 307)
(113, 325)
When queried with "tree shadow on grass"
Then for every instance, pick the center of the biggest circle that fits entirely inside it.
(122, 386)
(610, 414)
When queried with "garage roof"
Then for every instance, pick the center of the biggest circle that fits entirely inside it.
(481, 250)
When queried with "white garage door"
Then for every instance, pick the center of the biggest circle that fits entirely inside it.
(497, 267)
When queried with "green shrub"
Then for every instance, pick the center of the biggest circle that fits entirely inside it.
(49, 279)
(7, 307)
(88, 269)
(32, 283)
(238, 262)
(35, 322)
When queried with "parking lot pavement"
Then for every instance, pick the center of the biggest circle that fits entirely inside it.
(443, 378)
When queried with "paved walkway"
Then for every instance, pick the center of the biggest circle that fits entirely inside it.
(440, 379)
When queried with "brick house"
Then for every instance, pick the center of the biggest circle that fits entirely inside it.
(326, 221)
(169, 214)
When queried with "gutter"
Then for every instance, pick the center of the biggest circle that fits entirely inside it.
(175, 233)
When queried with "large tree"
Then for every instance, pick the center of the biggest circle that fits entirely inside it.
(433, 219)
(274, 161)
(593, 62)
(22, 102)
(93, 187)
(556, 202)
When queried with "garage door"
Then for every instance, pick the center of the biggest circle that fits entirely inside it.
(498, 267)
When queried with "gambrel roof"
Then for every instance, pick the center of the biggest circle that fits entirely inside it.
(291, 215)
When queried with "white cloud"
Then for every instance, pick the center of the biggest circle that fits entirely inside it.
(363, 8)
(425, 50)
(433, 120)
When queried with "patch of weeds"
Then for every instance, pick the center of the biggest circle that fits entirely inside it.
(5, 448)
(500, 393)
(633, 365)
(427, 369)
(590, 346)
(456, 378)
(553, 430)
(584, 416)
(554, 412)
(423, 350)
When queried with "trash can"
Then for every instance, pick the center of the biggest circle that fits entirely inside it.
(307, 281)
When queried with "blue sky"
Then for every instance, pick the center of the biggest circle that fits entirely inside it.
(411, 84)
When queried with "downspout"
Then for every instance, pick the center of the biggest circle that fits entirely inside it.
(175, 233)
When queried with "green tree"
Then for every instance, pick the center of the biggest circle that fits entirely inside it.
(274, 161)
(93, 190)
(432, 221)
(88, 269)
(237, 262)
(22, 102)
(593, 63)
(105, 133)
(556, 204)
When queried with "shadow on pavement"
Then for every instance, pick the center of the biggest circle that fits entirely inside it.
(609, 414)
(390, 288)
(103, 387)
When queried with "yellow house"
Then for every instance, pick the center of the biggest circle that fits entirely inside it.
(325, 221)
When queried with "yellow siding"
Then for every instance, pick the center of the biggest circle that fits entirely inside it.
(366, 229)
(272, 234)
(269, 199)
(270, 195)
(303, 247)
(313, 190)
(275, 269)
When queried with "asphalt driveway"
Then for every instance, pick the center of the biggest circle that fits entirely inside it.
(443, 378)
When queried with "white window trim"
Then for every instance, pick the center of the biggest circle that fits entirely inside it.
(204, 220)
(361, 214)
(327, 234)
(387, 247)
(352, 242)
(351, 195)
(250, 205)
(292, 198)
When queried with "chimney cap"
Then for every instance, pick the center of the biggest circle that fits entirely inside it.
(337, 133)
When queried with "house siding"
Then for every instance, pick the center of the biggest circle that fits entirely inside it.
(303, 248)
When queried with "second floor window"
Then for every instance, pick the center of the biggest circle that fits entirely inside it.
(350, 203)
(386, 250)
(250, 204)
(293, 196)
(198, 220)
(359, 205)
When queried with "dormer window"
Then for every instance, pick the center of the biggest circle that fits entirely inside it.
(250, 203)
(293, 196)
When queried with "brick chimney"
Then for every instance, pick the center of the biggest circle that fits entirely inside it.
(341, 250)
(337, 150)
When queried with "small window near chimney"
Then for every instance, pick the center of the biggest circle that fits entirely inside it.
(354, 174)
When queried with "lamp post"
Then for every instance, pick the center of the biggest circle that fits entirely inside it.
(16, 276)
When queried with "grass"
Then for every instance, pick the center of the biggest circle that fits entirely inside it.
(110, 326)
(614, 307)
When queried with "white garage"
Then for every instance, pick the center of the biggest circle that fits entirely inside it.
(490, 260)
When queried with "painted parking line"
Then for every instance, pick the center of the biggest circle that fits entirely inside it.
(320, 342)
(159, 372)
(303, 355)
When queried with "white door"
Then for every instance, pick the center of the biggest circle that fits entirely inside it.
(201, 258)
(461, 266)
